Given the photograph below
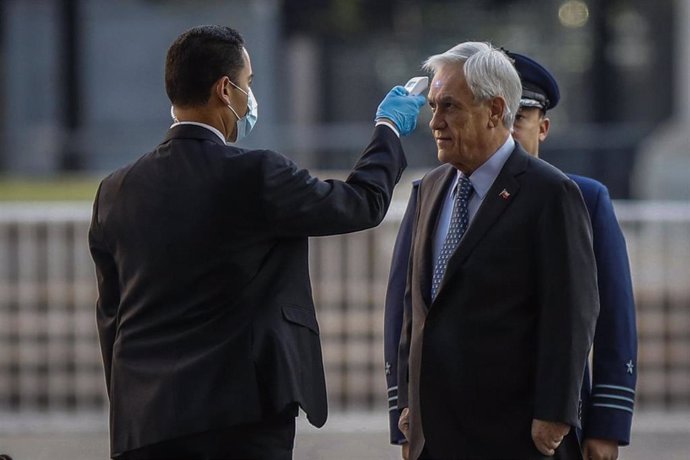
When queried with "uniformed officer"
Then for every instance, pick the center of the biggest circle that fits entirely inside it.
(608, 398)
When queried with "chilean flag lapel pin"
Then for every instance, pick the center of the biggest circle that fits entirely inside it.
(504, 194)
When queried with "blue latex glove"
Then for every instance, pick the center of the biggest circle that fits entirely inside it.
(401, 109)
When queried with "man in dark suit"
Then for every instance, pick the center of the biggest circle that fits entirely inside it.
(205, 316)
(501, 294)
(607, 413)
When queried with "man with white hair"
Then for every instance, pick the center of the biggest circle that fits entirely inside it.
(501, 297)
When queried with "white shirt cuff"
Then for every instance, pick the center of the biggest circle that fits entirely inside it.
(390, 125)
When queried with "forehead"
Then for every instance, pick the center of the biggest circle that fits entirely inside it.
(530, 112)
(247, 69)
(449, 81)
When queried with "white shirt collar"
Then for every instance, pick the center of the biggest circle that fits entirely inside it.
(203, 125)
(483, 177)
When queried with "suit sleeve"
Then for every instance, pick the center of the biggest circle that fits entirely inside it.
(393, 313)
(108, 290)
(610, 407)
(297, 204)
(406, 328)
(568, 304)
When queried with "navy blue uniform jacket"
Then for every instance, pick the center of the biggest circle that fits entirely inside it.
(607, 400)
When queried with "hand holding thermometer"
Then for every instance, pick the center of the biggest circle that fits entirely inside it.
(400, 107)
(416, 85)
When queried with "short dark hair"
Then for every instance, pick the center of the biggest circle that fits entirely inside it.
(197, 59)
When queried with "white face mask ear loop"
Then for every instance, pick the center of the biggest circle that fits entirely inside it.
(233, 84)
(228, 104)
(233, 111)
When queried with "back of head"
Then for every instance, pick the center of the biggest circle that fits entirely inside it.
(197, 59)
(488, 72)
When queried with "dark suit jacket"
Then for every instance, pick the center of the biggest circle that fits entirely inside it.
(608, 400)
(506, 339)
(205, 313)
(608, 415)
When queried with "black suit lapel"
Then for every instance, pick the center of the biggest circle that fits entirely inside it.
(431, 199)
(501, 194)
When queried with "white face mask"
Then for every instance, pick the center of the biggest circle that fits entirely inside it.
(245, 124)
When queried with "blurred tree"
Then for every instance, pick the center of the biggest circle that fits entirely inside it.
(70, 72)
(2, 81)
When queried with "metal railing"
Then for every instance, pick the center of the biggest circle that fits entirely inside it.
(658, 239)
(50, 360)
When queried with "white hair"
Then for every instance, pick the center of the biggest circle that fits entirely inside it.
(488, 72)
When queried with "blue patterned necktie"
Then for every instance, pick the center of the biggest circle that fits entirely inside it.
(458, 224)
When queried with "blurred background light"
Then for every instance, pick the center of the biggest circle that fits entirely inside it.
(573, 14)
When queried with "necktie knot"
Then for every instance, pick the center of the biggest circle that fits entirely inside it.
(463, 188)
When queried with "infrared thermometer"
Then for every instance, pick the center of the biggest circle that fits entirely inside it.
(416, 85)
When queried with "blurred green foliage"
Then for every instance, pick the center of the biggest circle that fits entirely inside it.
(65, 188)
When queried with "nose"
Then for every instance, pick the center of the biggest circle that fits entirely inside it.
(437, 121)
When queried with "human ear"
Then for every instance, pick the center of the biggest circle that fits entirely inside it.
(544, 125)
(497, 108)
(221, 89)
